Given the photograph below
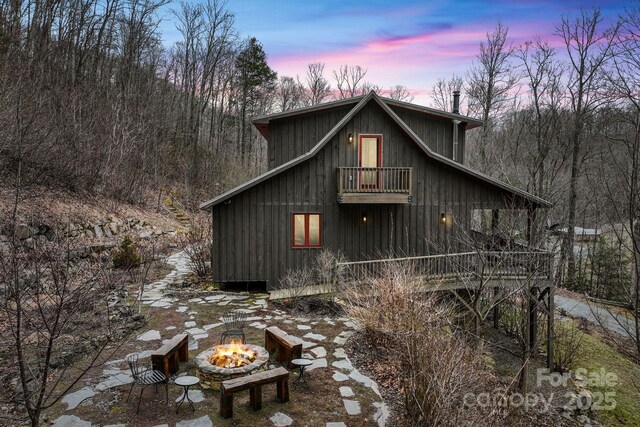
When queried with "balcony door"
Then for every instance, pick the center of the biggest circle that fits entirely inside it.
(370, 161)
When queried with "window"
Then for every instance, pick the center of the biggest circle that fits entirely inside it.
(481, 220)
(306, 230)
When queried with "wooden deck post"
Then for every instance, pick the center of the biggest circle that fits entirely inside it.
(533, 319)
(496, 310)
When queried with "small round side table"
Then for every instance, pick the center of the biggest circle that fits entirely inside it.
(186, 382)
(301, 364)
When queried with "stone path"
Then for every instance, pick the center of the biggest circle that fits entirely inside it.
(116, 372)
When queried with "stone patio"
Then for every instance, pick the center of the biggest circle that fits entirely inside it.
(350, 386)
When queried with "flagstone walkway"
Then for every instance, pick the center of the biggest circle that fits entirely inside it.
(344, 375)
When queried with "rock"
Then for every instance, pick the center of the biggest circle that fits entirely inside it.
(30, 243)
(70, 421)
(346, 392)
(339, 353)
(319, 351)
(280, 419)
(352, 406)
(317, 337)
(113, 227)
(23, 231)
(97, 229)
(318, 363)
(196, 396)
(72, 400)
(203, 421)
(382, 414)
(51, 235)
(339, 377)
(151, 335)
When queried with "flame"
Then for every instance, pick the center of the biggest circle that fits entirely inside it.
(232, 355)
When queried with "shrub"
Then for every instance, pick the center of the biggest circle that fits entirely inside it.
(568, 347)
(439, 367)
(323, 271)
(127, 255)
(197, 245)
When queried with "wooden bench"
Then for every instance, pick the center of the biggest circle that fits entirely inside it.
(275, 339)
(254, 384)
(167, 358)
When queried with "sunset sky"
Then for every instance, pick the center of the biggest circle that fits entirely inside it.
(408, 42)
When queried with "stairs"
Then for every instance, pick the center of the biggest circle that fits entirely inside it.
(179, 213)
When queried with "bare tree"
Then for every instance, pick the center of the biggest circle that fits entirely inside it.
(542, 117)
(290, 93)
(616, 175)
(442, 93)
(349, 80)
(490, 83)
(588, 46)
(400, 93)
(317, 85)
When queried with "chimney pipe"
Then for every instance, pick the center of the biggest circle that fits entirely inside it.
(456, 102)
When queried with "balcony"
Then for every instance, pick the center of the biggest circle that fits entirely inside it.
(374, 185)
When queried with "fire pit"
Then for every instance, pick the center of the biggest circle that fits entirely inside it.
(227, 361)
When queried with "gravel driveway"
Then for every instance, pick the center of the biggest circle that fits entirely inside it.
(596, 314)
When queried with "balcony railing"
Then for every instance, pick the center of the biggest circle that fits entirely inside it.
(374, 180)
(470, 265)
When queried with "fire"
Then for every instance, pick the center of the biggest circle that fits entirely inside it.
(233, 355)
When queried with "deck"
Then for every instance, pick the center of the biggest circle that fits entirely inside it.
(466, 270)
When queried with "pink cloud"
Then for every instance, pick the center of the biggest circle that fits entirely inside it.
(415, 61)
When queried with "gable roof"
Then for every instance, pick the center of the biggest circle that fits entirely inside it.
(262, 122)
(383, 104)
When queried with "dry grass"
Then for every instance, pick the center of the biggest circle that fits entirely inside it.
(439, 367)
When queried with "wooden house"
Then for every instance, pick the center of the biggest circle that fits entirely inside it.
(368, 176)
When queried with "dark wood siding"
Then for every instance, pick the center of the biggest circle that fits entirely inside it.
(436, 132)
(291, 137)
(252, 230)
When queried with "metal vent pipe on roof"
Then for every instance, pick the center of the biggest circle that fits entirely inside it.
(456, 102)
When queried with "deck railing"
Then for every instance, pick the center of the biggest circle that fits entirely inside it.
(374, 180)
(469, 265)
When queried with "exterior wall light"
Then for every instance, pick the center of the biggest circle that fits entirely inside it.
(350, 138)
(364, 218)
(443, 218)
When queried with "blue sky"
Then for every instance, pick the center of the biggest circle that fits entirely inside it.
(408, 42)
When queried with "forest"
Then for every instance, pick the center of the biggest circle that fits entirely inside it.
(93, 100)
(96, 107)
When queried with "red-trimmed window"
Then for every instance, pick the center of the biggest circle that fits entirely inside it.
(307, 230)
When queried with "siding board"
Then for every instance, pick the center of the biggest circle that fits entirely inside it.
(252, 233)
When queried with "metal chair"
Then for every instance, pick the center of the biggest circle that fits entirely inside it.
(234, 325)
(143, 377)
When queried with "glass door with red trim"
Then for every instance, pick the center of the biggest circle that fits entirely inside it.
(370, 161)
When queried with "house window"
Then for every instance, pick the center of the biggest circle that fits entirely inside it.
(481, 220)
(307, 229)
